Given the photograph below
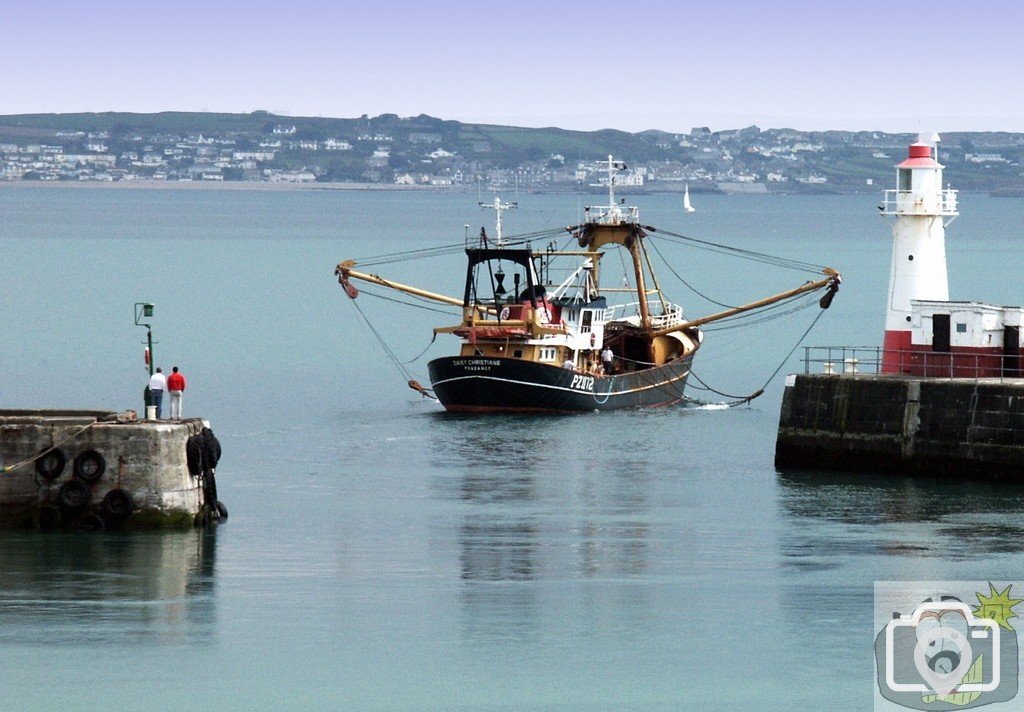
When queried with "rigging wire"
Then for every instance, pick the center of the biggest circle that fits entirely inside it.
(402, 370)
(420, 355)
(693, 289)
(409, 304)
(452, 248)
(739, 321)
(770, 378)
(784, 262)
(406, 374)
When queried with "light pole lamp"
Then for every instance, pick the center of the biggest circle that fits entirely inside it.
(144, 310)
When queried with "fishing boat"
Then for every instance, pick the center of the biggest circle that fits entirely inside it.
(686, 200)
(534, 337)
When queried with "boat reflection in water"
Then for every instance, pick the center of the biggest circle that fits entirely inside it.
(518, 542)
(109, 589)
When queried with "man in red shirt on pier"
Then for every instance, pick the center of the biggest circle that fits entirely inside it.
(175, 386)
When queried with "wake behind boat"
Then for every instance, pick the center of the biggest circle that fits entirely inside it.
(531, 343)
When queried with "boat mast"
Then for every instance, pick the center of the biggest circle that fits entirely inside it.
(632, 244)
(641, 286)
(611, 180)
(499, 207)
(616, 225)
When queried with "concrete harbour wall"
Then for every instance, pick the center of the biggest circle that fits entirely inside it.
(903, 424)
(96, 470)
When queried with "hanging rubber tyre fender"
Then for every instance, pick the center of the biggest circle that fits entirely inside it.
(222, 511)
(49, 518)
(209, 484)
(50, 463)
(194, 454)
(118, 503)
(90, 466)
(73, 495)
(90, 522)
(211, 450)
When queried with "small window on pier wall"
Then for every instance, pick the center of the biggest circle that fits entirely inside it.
(903, 179)
(940, 332)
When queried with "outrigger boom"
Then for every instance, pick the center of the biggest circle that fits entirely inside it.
(344, 271)
(832, 281)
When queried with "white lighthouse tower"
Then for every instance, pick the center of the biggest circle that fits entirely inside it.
(921, 210)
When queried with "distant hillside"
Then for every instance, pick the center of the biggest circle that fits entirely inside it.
(424, 150)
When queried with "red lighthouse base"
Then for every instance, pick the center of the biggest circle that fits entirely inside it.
(900, 355)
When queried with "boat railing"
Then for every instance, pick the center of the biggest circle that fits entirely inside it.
(611, 214)
(668, 314)
(912, 202)
(924, 362)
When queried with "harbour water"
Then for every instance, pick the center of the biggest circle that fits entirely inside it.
(381, 554)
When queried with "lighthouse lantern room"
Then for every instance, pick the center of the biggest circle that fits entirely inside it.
(925, 333)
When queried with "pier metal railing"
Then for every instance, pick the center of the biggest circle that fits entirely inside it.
(851, 360)
(611, 215)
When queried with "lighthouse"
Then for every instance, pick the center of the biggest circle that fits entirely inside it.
(920, 209)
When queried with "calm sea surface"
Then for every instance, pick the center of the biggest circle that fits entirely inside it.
(381, 554)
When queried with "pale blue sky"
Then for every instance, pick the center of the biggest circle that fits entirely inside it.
(894, 66)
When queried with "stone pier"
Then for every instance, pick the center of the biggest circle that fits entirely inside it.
(972, 428)
(104, 470)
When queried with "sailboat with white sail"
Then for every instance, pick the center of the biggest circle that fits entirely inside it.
(686, 200)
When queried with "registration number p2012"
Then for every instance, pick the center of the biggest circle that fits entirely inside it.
(582, 383)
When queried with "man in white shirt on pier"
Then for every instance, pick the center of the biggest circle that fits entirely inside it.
(157, 386)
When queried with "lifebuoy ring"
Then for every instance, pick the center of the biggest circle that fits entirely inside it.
(73, 495)
(90, 466)
(50, 463)
(118, 504)
(504, 314)
(593, 339)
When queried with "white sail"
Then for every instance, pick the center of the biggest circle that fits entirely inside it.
(686, 200)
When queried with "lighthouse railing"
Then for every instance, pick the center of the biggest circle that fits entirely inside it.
(923, 362)
(914, 202)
